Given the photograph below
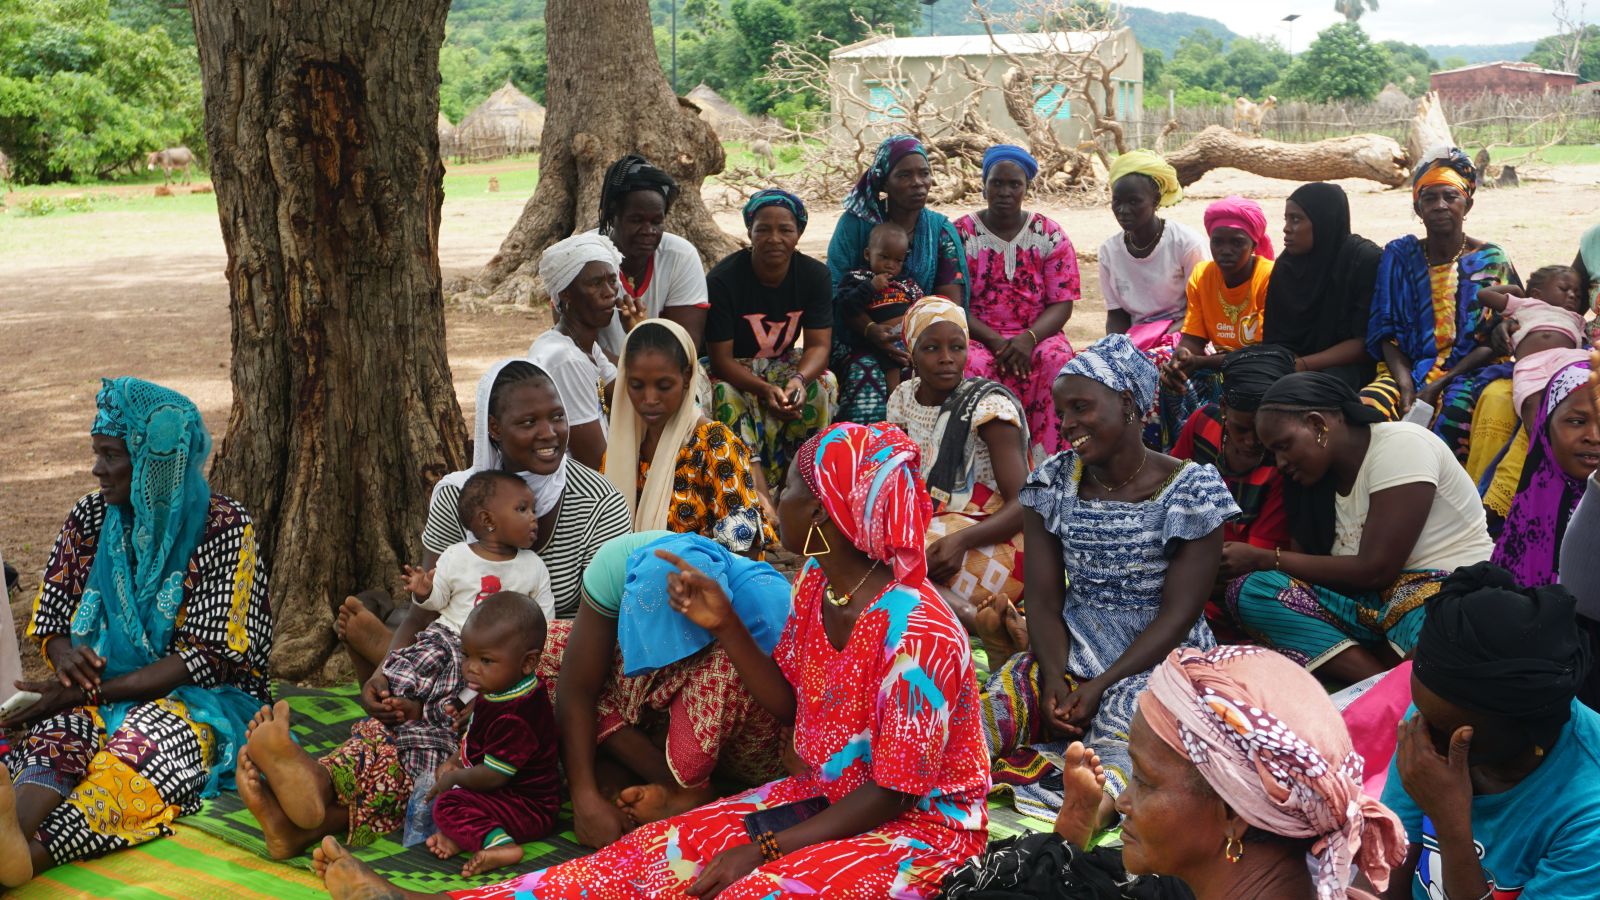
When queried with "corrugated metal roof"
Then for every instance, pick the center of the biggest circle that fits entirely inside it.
(951, 45)
(1509, 64)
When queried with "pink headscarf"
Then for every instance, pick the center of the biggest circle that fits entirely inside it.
(1264, 735)
(1532, 373)
(1245, 215)
(867, 479)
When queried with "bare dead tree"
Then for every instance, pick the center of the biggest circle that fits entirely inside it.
(1570, 32)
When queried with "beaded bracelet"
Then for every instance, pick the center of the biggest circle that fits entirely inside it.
(768, 842)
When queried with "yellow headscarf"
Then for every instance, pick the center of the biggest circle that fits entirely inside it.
(929, 310)
(1148, 162)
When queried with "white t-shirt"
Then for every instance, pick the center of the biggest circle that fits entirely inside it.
(578, 376)
(1455, 533)
(677, 279)
(462, 579)
(1155, 287)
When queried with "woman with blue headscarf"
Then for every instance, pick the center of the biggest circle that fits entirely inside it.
(1024, 281)
(153, 614)
(893, 189)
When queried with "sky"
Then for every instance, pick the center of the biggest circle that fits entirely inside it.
(1412, 21)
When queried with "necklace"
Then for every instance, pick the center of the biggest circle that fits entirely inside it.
(1161, 228)
(1460, 248)
(842, 600)
(1112, 490)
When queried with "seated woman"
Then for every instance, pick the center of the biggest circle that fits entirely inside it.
(1024, 282)
(1123, 545)
(773, 389)
(1145, 269)
(1381, 512)
(519, 425)
(1426, 327)
(1218, 805)
(677, 469)
(974, 443)
(1563, 454)
(893, 189)
(1500, 475)
(1580, 567)
(1320, 293)
(153, 615)
(661, 275)
(580, 273)
(1226, 294)
(876, 675)
(1495, 777)
(652, 737)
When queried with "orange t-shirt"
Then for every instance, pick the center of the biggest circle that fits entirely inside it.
(1228, 317)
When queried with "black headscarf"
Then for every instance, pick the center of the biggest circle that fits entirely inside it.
(1311, 509)
(626, 175)
(1248, 372)
(1317, 299)
(1491, 646)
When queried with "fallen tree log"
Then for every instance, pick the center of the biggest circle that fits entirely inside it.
(1370, 156)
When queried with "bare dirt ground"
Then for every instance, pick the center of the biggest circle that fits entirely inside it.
(114, 292)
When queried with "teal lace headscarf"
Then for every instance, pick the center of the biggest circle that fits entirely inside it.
(129, 607)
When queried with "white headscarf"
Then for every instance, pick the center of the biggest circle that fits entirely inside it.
(563, 260)
(650, 506)
(485, 455)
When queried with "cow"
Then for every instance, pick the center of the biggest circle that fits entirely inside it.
(171, 158)
(1247, 114)
(761, 149)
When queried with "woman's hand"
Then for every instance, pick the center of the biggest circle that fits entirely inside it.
(1430, 394)
(776, 400)
(697, 596)
(417, 580)
(1015, 355)
(945, 556)
(75, 665)
(374, 699)
(54, 698)
(1057, 699)
(595, 822)
(630, 311)
(882, 337)
(1239, 558)
(1175, 374)
(726, 868)
(1408, 389)
(1440, 785)
(1082, 704)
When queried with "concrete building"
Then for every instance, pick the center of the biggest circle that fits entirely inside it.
(1500, 78)
(867, 69)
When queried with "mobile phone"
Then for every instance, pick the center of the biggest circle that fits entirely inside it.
(795, 395)
(19, 702)
(778, 818)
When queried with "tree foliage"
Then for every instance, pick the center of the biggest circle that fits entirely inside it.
(1549, 52)
(1409, 66)
(1341, 64)
(82, 95)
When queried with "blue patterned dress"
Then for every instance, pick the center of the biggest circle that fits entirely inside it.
(1116, 555)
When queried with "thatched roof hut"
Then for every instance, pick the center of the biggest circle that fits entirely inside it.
(723, 116)
(508, 123)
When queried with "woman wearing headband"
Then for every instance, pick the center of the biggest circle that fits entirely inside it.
(661, 274)
(1426, 327)
(1024, 282)
(1145, 269)
(1495, 777)
(1380, 513)
(1122, 546)
(974, 442)
(770, 386)
(876, 676)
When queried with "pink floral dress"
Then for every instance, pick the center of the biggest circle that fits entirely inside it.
(1012, 282)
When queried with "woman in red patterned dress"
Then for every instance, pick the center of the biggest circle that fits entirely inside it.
(875, 674)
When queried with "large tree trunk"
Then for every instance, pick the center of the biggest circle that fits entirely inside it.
(320, 115)
(607, 97)
(1370, 156)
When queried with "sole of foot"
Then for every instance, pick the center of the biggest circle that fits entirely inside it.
(646, 803)
(283, 838)
(1083, 795)
(348, 878)
(491, 858)
(295, 778)
(362, 631)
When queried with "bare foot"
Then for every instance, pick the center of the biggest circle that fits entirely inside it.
(16, 863)
(492, 858)
(999, 642)
(1083, 783)
(362, 631)
(298, 782)
(443, 847)
(646, 803)
(284, 839)
(348, 878)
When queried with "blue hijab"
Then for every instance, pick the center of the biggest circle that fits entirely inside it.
(652, 634)
(129, 608)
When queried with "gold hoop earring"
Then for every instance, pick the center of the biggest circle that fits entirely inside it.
(815, 533)
(1229, 853)
(1322, 438)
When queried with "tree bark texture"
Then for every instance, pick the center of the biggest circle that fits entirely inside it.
(320, 115)
(1370, 156)
(607, 97)
(1429, 129)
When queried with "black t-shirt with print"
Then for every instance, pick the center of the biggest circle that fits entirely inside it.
(762, 321)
